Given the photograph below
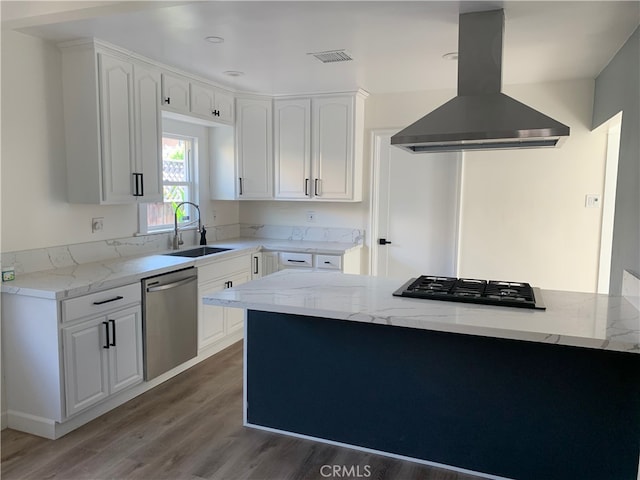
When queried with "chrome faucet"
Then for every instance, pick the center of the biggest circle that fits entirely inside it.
(177, 239)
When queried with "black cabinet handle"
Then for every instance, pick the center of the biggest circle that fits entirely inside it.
(383, 241)
(295, 261)
(113, 331)
(306, 186)
(215, 113)
(167, 100)
(141, 175)
(230, 284)
(240, 178)
(110, 300)
(255, 265)
(317, 187)
(106, 331)
(135, 185)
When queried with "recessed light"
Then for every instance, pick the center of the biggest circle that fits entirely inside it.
(450, 56)
(213, 39)
(233, 73)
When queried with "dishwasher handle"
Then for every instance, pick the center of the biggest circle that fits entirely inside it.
(168, 286)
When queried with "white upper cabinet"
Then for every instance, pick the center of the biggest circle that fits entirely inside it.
(254, 149)
(210, 103)
(318, 147)
(112, 127)
(292, 148)
(148, 128)
(196, 99)
(175, 93)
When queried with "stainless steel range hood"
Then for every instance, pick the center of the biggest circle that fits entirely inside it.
(480, 117)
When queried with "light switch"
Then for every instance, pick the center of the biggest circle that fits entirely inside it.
(592, 200)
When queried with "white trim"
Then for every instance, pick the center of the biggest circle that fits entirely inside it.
(3, 420)
(378, 452)
(609, 203)
(374, 209)
(459, 220)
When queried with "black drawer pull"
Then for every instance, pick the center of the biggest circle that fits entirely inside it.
(167, 100)
(106, 330)
(295, 261)
(113, 326)
(114, 299)
(255, 264)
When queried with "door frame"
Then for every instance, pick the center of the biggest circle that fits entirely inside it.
(374, 200)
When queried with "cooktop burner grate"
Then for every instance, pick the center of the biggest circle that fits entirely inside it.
(508, 294)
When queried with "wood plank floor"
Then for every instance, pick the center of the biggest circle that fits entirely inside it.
(190, 427)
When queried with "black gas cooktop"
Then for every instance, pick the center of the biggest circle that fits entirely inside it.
(486, 292)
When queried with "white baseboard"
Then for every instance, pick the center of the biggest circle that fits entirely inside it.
(42, 427)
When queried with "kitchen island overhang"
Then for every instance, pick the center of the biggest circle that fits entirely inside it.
(561, 402)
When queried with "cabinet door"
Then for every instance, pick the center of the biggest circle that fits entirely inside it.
(125, 352)
(203, 100)
(224, 106)
(234, 317)
(333, 147)
(292, 148)
(148, 134)
(211, 317)
(86, 364)
(254, 149)
(175, 93)
(116, 129)
(270, 263)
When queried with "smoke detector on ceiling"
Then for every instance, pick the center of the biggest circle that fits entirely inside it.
(332, 56)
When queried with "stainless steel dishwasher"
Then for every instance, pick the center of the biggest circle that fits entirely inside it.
(170, 320)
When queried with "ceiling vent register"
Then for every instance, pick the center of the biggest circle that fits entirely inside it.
(332, 56)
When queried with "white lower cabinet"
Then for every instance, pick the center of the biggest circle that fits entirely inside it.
(263, 264)
(102, 356)
(217, 325)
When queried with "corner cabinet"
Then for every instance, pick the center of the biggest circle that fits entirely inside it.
(318, 147)
(254, 148)
(112, 126)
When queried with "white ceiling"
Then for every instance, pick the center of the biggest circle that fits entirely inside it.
(396, 46)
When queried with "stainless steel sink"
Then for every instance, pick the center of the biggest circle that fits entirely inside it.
(198, 252)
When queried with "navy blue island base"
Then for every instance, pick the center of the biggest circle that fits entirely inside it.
(508, 408)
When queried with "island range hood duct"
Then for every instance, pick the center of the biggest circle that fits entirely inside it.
(480, 117)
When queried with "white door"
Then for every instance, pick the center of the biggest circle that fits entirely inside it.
(117, 133)
(224, 106)
(416, 198)
(125, 352)
(254, 148)
(148, 132)
(292, 148)
(175, 93)
(85, 361)
(211, 317)
(332, 152)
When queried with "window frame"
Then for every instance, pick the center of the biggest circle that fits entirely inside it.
(192, 185)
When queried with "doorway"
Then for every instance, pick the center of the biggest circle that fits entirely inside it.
(415, 211)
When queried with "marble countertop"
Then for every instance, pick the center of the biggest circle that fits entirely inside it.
(80, 279)
(571, 318)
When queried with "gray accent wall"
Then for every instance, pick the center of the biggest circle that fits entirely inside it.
(618, 89)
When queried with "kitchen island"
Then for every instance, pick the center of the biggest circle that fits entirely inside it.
(502, 392)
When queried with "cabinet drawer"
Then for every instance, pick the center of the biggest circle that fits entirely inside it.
(289, 259)
(223, 268)
(101, 302)
(332, 262)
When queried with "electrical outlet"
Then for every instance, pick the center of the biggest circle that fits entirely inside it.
(97, 224)
(592, 200)
(311, 217)
(214, 215)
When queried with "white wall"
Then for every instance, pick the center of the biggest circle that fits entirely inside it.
(34, 209)
(523, 214)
